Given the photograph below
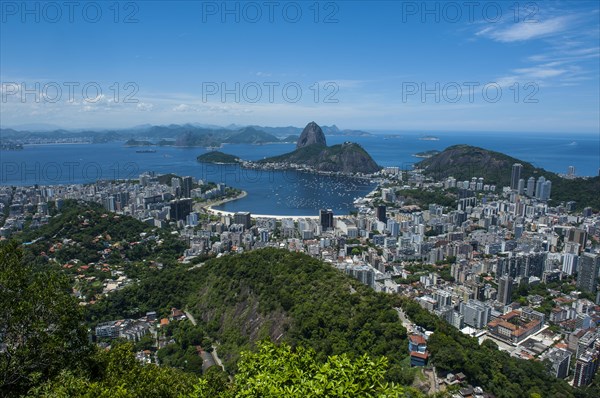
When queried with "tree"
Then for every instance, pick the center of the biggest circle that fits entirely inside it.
(41, 324)
(117, 373)
(279, 371)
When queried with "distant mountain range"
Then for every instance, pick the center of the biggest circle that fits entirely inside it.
(173, 134)
(311, 150)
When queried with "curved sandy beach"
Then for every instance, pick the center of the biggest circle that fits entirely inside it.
(216, 212)
(209, 208)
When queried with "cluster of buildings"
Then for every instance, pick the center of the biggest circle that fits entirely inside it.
(134, 329)
(539, 189)
(158, 203)
(464, 263)
(129, 329)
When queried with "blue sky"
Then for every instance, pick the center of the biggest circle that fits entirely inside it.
(398, 65)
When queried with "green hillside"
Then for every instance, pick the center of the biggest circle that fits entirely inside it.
(217, 157)
(273, 294)
(292, 297)
(346, 158)
(464, 162)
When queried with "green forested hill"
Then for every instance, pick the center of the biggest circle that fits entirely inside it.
(292, 297)
(84, 230)
(270, 293)
(464, 162)
(348, 157)
(217, 157)
(323, 313)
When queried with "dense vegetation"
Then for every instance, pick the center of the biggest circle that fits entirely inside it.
(91, 245)
(217, 157)
(347, 158)
(269, 293)
(270, 372)
(85, 230)
(59, 361)
(117, 373)
(157, 290)
(295, 298)
(32, 300)
(280, 371)
(183, 352)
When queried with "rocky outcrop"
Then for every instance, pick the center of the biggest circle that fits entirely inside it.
(311, 150)
(311, 135)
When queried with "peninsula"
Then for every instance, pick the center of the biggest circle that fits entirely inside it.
(312, 153)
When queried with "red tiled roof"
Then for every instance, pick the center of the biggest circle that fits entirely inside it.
(421, 355)
(417, 339)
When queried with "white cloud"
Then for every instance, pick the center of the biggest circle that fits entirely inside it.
(523, 31)
(184, 108)
(143, 106)
(564, 43)
(540, 72)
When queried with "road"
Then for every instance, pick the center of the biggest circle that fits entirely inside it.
(190, 317)
(410, 327)
(214, 353)
(215, 356)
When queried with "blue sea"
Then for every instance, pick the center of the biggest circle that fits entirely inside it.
(284, 192)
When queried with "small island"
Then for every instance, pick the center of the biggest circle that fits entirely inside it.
(133, 142)
(426, 154)
(429, 138)
(218, 157)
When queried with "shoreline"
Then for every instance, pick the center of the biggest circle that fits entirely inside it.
(209, 208)
(255, 216)
(254, 165)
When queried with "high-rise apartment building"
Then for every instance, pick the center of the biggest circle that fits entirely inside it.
(587, 277)
(243, 218)
(505, 288)
(381, 216)
(326, 218)
(586, 367)
(515, 175)
(530, 186)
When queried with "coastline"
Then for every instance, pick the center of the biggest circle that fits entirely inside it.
(255, 216)
(216, 212)
(208, 206)
(254, 165)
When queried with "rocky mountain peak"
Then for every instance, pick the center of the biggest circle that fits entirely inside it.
(312, 134)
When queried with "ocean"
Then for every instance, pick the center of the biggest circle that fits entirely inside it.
(284, 192)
